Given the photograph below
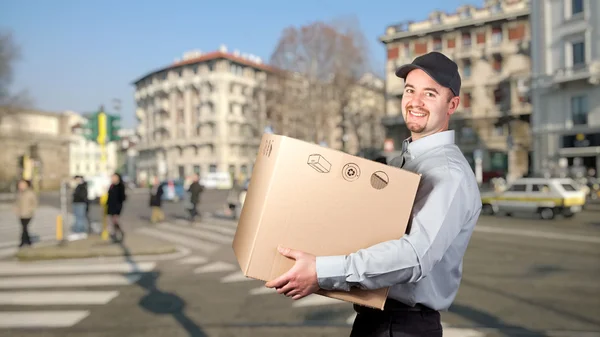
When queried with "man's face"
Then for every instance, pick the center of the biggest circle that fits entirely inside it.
(426, 105)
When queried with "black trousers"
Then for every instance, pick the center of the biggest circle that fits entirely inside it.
(397, 320)
(25, 239)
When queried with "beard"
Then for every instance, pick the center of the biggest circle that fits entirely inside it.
(416, 124)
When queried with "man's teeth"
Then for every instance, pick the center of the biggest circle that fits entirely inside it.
(417, 114)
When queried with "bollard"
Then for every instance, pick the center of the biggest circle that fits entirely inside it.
(103, 201)
(59, 226)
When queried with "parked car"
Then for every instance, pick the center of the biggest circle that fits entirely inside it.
(547, 197)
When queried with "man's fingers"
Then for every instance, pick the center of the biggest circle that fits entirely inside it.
(285, 289)
(298, 296)
(280, 281)
(288, 252)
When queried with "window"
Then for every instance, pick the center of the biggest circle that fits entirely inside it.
(480, 37)
(496, 35)
(197, 169)
(451, 43)
(568, 187)
(496, 8)
(499, 131)
(467, 69)
(181, 171)
(437, 43)
(540, 188)
(466, 39)
(466, 100)
(518, 188)
(212, 168)
(576, 7)
(579, 110)
(466, 14)
(578, 53)
(497, 63)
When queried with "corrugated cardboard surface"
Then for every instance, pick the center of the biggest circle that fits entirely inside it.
(321, 201)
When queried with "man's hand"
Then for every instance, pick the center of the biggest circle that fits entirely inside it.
(301, 279)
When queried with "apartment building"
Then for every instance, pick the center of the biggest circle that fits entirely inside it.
(566, 91)
(491, 46)
(203, 113)
(85, 156)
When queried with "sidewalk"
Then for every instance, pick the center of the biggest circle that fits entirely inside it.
(41, 228)
(94, 246)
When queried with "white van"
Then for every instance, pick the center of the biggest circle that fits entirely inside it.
(217, 180)
(547, 197)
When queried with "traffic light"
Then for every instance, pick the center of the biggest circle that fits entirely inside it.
(90, 129)
(113, 126)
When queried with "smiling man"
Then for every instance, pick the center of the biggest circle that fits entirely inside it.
(424, 267)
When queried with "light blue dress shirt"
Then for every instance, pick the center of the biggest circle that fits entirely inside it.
(425, 265)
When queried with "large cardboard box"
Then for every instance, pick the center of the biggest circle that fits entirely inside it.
(321, 201)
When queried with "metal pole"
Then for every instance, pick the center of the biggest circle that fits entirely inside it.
(64, 214)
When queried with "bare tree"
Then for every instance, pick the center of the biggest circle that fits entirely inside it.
(9, 53)
(320, 65)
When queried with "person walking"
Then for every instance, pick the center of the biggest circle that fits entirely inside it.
(194, 190)
(114, 206)
(80, 204)
(156, 194)
(423, 267)
(25, 206)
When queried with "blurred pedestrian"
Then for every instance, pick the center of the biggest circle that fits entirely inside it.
(114, 206)
(80, 205)
(156, 194)
(25, 206)
(194, 191)
(423, 267)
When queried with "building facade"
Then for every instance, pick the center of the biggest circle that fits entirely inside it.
(85, 155)
(491, 47)
(566, 86)
(43, 138)
(204, 113)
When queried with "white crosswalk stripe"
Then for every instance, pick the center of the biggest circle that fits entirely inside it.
(40, 285)
(213, 267)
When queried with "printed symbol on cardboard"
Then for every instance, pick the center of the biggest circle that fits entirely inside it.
(379, 180)
(351, 172)
(319, 163)
(270, 149)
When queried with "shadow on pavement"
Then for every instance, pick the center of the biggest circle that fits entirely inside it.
(159, 302)
(467, 310)
(489, 321)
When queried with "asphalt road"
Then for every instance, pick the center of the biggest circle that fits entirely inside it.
(522, 277)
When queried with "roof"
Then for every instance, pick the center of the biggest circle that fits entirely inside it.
(216, 55)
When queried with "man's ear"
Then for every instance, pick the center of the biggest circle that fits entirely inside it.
(453, 104)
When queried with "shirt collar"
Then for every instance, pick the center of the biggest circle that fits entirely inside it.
(416, 148)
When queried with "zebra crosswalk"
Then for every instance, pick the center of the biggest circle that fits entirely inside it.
(206, 238)
(61, 295)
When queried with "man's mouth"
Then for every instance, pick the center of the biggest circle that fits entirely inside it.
(417, 113)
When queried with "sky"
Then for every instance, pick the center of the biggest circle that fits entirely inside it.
(80, 54)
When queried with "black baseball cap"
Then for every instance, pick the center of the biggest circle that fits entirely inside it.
(437, 65)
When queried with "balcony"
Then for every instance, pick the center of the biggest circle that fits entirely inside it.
(140, 114)
(589, 71)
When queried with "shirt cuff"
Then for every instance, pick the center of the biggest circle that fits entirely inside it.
(331, 272)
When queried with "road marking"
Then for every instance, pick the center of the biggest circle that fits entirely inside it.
(41, 319)
(537, 234)
(460, 332)
(213, 237)
(194, 260)
(207, 247)
(6, 252)
(124, 267)
(238, 276)
(217, 228)
(263, 291)
(215, 267)
(316, 300)
(68, 281)
(56, 297)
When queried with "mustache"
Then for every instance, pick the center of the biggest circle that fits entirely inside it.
(416, 109)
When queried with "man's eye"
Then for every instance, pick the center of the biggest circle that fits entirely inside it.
(430, 94)
(409, 91)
